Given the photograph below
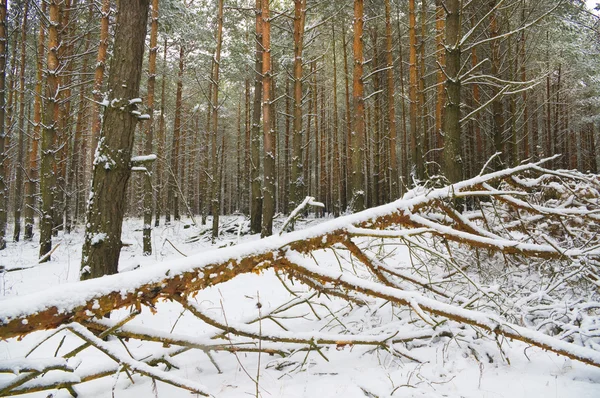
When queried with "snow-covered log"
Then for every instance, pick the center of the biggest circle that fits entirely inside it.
(526, 212)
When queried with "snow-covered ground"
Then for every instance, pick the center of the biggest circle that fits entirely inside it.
(449, 367)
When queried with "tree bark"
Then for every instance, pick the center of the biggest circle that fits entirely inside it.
(389, 59)
(99, 76)
(415, 148)
(162, 144)
(440, 95)
(30, 186)
(256, 195)
(338, 183)
(51, 119)
(297, 181)
(3, 139)
(268, 127)
(358, 125)
(21, 129)
(173, 192)
(453, 163)
(112, 168)
(149, 136)
(216, 181)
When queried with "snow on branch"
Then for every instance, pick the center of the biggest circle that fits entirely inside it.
(522, 215)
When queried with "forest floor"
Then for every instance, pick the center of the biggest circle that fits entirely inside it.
(448, 367)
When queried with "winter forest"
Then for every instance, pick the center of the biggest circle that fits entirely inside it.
(300, 198)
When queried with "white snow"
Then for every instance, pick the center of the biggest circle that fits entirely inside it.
(469, 365)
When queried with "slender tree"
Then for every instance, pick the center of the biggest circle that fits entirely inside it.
(414, 111)
(51, 118)
(3, 146)
(176, 142)
(296, 175)
(30, 186)
(358, 122)
(268, 126)
(216, 181)
(99, 75)
(389, 59)
(21, 127)
(256, 195)
(149, 137)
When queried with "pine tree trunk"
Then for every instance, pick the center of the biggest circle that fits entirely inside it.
(297, 181)
(422, 97)
(415, 148)
(216, 181)
(30, 186)
(21, 129)
(149, 136)
(268, 129)
(391, 114)
(497, 106)
(112, 169)
(99, 77)
(78, 162)
(453, 163)
(285, 184)
(339, 182)
(375, 130)
(440, 95)
(162, 144)
(358, 125)
(174, 171)
(51, 120)
(3, 146)
(256, 194)
(523, 72)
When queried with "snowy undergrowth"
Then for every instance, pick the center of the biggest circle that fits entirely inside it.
(413, 299)
(469, 365)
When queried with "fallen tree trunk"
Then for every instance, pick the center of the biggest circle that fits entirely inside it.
(425, 212)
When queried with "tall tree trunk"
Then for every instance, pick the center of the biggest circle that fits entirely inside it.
(99, 76)
(51, 119)
(375, 130)
(256, 195)
(440, 95)
(149, 136)
(30, 186)
(268, 129)
(216, 181)
(523, 70)
(497, 107)
(453, 163)
(348, 135)
(78, 161)
(314, 111)
(248, 123)
(3, 146)
(174, 171)
(358, 125)
(21, 129)
(389, 59)
(296, 176)
(285, 184)
(415, 149)
(404, 144)
(162, 144)
(339, 183)
(422, 97)
(112, 169)
(64, 143)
